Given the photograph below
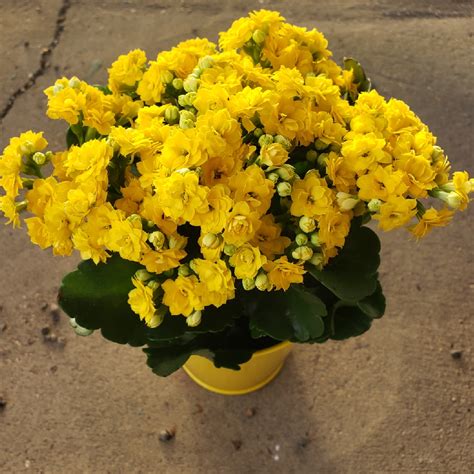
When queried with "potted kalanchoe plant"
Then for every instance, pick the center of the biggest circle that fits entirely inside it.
(218, 195)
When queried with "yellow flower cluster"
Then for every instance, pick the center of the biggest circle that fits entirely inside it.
(219, 168)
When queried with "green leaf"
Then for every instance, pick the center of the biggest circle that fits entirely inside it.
(295, 314)
(96, 296)
(348, 321)
(374, 304)
(165, 361)
(352, 275)
(363, 82)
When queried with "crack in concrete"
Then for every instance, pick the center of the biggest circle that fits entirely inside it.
(45, 63)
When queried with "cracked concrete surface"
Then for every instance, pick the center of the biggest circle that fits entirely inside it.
(393, 400)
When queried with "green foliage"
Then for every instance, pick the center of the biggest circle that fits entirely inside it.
(361, 80)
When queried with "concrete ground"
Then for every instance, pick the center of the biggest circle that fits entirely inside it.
(393, 400)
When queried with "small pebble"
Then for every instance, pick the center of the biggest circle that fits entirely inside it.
(250, 412)
(26, 44)
(167, 435)
(45, 331)
(237, 443)
(3, 327)
(55, 312)
(456, 354)
(3, 403)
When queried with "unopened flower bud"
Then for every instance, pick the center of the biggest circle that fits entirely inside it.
(453, 200)
(261, 282)
(21, 206)
(322, 160)
(186, 119)
(258, 132)
(159, 316)
(320, 145)
(312, 156)
(248, 284)
(283, 141)
(191, 84)
(79, 330)
(184, 270)
(258, 36)
(177, 83)
(317, 259)
(211, 241)
(49, 155)
(172, 115)
(194, 319)
(134, 219)
(284, 189)
(437, 153)
(286, 172)
(374, 205)
(302, 253)
(57, 89)
(346, 201)
(39, 158)
(265, 140)
(273, 177)
(153, 284)
(157, 239)
(307, 224)
(229, 249)
(142, 275)
(301, 239)
(27, 148)
(166, 77)
(206, 62)
(314, 238)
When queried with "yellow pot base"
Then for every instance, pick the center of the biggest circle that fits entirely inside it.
(242, 391)
(254, 374)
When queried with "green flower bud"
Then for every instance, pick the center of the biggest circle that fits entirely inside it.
(74, 82)
(49, 155)
(167, 77)
(57, 89)
(206, 62)
(27, 148)
(186, 119)
(284, 189)
(153, 284)
(283, 141)
(312, 156)
(79, 330)
(191, 84)
(258, 36)
(322, 160)
(248, 284)
(302, 253)
(211, 241)
(307, 224)
(142, 275)
(258, 132)
(374, 205)
(286, 172)
(437, 153)
(194, 319)
(314, 238)
(453, 200)
(159, 316)
(157, 239)
(172, 115)
(39, 158)
(134, 219)
(177, 83)
(335, 147)
(317, 259)
(346, 201)
(229, 249)
(184, 270)
(262, 283)
(273, 177)
(301, 239)
(21, 206)
(320, 145)
(265, 140)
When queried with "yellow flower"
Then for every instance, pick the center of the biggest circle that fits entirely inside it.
(242, 223)
(383, 182)
(126, 71)
(273, 155)
(66, 100)
(252, 187)
(333, 228)
(180, 196)
(181, 295)
(430, 219)
(282, 273)
(96, 111)
(216, 282)
(311, 196)
(396, 212)
(247, 261)
(89, 161)
(341, 176)
(421, 176)
(8, 207)
(159, 261)
(151, 86)
(140, 300)
(183, 149)
(128, 239)
(213, 220)
(463, 186)
(130, 140)
(268, 237)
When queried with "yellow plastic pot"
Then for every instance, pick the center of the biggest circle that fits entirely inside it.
(261, 369)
